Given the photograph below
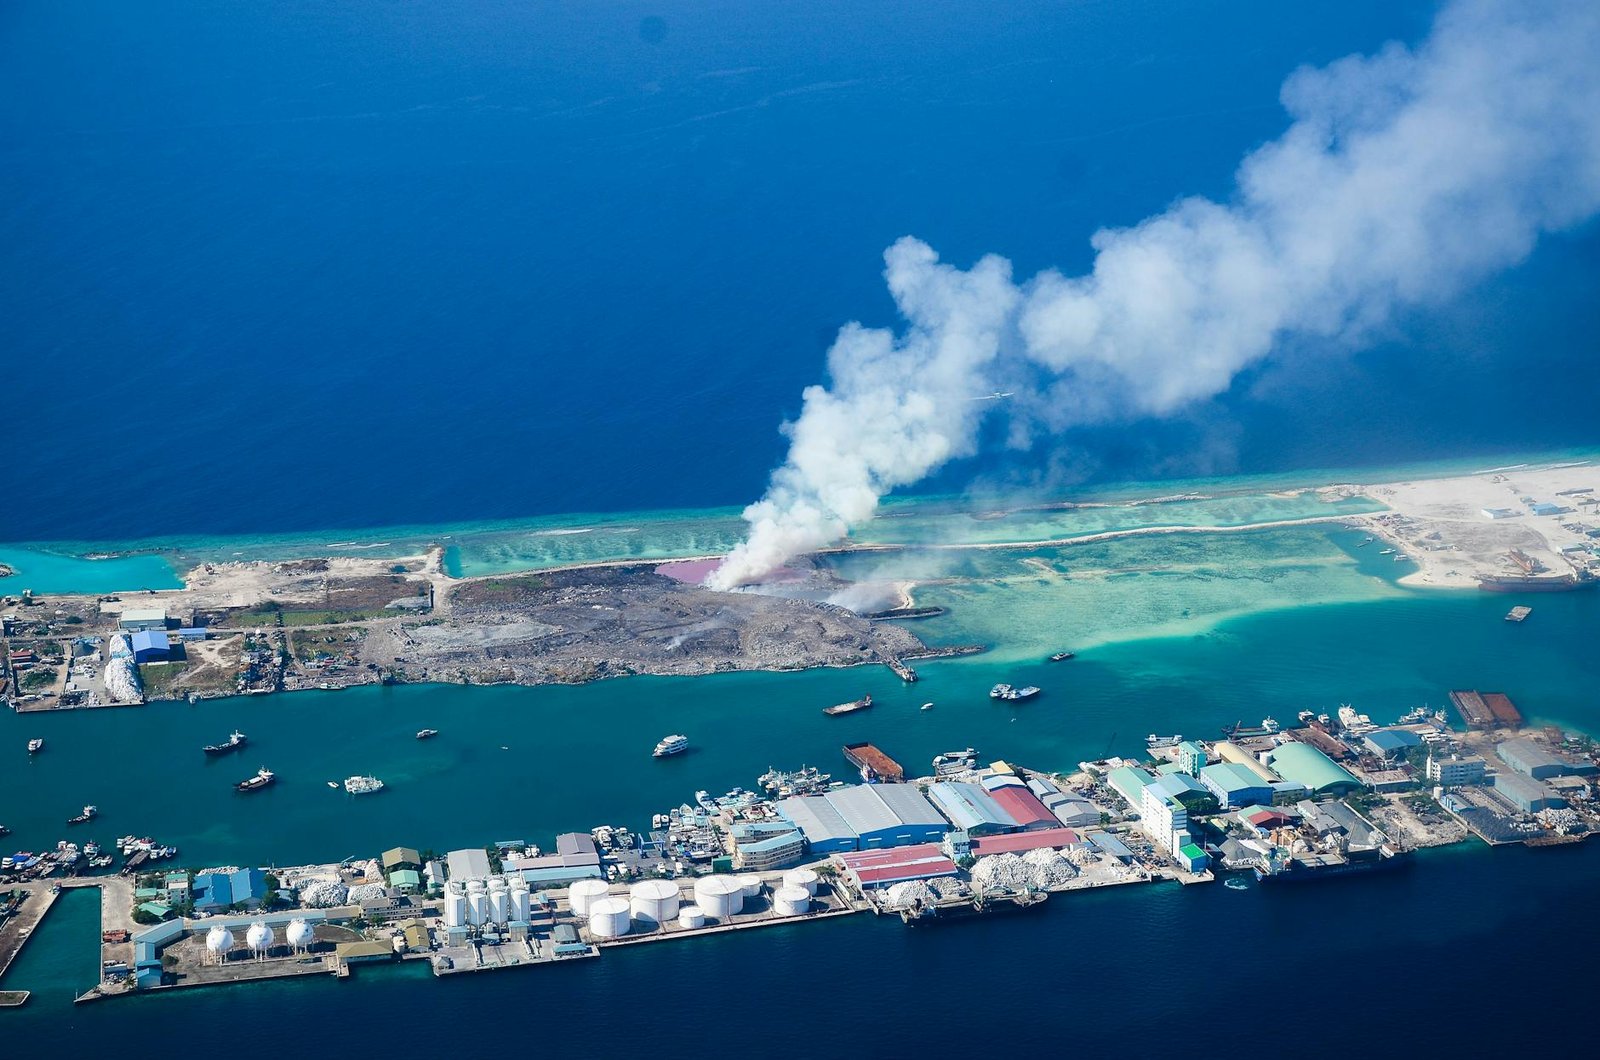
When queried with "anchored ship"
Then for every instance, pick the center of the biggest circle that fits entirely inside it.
(1063, 656)
(954, 762)
(235, 741)
(849, 708)
(89, 813)
(362, 785)
(1007, 692)
(671, 745)
(35, 746)
(423, 734)
(1560, 583)
(264, 778)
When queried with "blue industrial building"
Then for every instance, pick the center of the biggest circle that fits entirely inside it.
(215, 892)
(971, 808)
(1391, 743)
(1235, 785)
(864, 817)
(151, 645)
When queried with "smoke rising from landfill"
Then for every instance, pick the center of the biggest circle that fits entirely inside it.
(1404, 177)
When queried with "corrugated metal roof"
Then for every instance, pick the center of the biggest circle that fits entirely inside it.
(969, 806)
(1306, 765)
(1230, 777)
(816, 817)
(1023, 806)
(1021, 842)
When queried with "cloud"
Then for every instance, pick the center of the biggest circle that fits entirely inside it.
(1403, 178)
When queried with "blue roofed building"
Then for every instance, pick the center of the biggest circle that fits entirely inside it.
(1235, 786)
(1130, 782)
(865, 817)
(151, 645)
(1391, 743)
(825, 830)
(216, 892)
(970, 808)
(1309, 767)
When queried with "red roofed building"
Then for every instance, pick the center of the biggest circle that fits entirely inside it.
(1024, 807)
(881, 868)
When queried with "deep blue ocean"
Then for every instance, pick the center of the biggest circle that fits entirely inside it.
(298, 266)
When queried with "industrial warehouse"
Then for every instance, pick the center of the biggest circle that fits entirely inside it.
(1332, 796)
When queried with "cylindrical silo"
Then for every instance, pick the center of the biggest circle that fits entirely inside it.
(499, 905)
(608, 917)
(690, 916)
(750, 884)
(584, 892)
(801, 878)
(654, 901)
(519, 903)
(477, 908)
(719, 896)
(455, 908)
(791, 901)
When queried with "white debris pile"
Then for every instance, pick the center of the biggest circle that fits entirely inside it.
(1050, 869)
(220, 870)
(366, 892)
(323, 894)
(1002, 872)
(904, 895)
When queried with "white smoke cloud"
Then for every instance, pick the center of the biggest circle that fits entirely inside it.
(1404, 177)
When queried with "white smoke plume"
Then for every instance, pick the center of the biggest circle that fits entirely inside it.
(1404, 177)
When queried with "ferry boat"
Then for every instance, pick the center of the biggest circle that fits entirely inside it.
(671, 745)
(264, 778)
(89, 813)
(362, 785)
(1063, 656)
(35, 746)
(954, 762)
(849, 708)
(423, 734)
(236, 740)
(1156, 743)
(1007, 692)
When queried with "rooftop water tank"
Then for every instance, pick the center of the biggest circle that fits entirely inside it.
(609, 917)
(719, 896)
(801, 878)
(654, 902)
(750, 883)
(584, 892)
(791, 901)
(690, 916)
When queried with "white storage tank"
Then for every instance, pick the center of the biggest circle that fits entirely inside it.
(581, 894)
(499, 905)
(299, 934)
(455, 908)
(719, 897)
(690, 916)
(751, 885)
(477, 908)
(609, 917)
(654, 901)
(519, 903)
(260, 937)
(801, 878)
(219, 940)
(792, 901)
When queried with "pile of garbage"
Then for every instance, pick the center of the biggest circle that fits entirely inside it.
(365, 892)
(1050, 869)
(1038, 869)
(904, 895)
(323, 894)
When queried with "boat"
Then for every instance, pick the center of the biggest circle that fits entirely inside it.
(4, 831)
(423, 734)
(1518, 613)
(91, 849)
(35, 746)
(927, 706)
(1156, 743)
(1309, 868)
(1010, 694)
(1268, 727)
(671, 745)
(362, 785)
(849, 708)
(1385, 551)
(1365, 542)
(264, 778)
(334, 784)
(954, 762)
(89, 813)
(1063, 656)
(236, 740)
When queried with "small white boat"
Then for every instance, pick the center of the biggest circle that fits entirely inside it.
(334, 784)
(35, 746)
(927, 706)
(424, 734)
(671, 745)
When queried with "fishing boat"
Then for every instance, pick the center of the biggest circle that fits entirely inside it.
(671, 745)
(849, 708)
(235, 740)
(264, 778)
(424, 734)
(1011, 694)
(89, 813)
(362, 785)
(35, 746)
(1063, 656)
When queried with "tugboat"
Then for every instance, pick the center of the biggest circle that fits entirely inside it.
(35, 746)
(264, 778)
(363, 785)
(89, 813)
(236, 740)
(1011, 694)
(671, 745)
(1063, 656)
(424, 734)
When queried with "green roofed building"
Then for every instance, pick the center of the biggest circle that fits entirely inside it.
(406, 881)
(1305, 765)
(1193, 858)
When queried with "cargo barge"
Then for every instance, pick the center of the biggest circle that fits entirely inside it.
(849, 708)
(875, 766)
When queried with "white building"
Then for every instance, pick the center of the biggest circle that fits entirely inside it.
(1163, 817)
(1455, 771)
